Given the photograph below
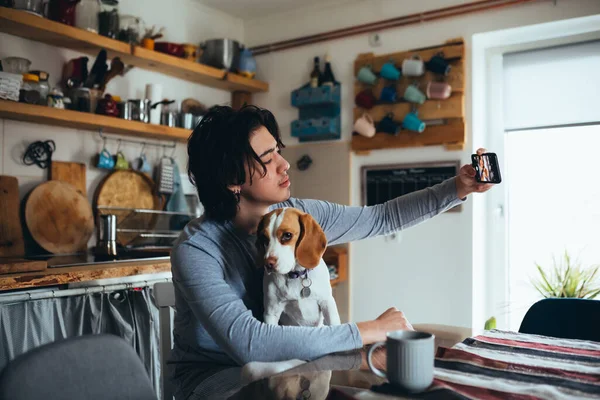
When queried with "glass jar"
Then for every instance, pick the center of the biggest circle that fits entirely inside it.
(108, 19)
(129, 29)
(86, 15)
(81, 99)
(30, 89)
(44, 85)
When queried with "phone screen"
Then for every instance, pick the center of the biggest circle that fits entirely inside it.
(486, 167)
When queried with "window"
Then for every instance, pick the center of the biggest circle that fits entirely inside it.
(551, 119)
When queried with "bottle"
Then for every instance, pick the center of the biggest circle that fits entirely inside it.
(315, 75)
(328, 78)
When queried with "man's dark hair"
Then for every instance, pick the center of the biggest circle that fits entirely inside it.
(219, 148)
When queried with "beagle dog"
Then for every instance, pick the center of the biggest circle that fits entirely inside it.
(296, 284)
(297, 290)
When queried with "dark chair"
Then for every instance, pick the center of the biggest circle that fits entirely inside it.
(564, 318)
(91, 367)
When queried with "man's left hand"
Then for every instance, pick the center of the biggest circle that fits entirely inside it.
(466, 182)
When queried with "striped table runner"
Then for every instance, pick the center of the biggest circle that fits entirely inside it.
(511, 365)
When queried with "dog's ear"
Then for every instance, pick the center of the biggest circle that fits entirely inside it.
(261, 243)
(311, 243)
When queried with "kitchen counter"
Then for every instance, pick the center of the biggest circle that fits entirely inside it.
(83, 273)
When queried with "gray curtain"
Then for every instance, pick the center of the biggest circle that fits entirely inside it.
(130, 314)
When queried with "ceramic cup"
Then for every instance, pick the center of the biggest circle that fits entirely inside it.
(388, 125)
(410, 358)
(121, 162)
(388, 94)
(143, 165)
(413, 67)
(438, 65)
(105, 160)
(365, 126)
(389, 71)
(414, 95)
(412, 122)
(366, 75)
(438, 90)
(365, 99)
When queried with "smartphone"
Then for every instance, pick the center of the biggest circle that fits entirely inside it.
(486, 167)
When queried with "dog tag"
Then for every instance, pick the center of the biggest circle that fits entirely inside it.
(305, 292)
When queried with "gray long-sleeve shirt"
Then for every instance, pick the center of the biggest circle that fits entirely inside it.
(218, 285)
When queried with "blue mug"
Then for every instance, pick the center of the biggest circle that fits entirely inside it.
(389, 71)
(388, 125)
(143, 164)
(388, 94)
(413, 123)
(105, 160)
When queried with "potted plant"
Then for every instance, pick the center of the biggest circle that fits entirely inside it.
(566, 278)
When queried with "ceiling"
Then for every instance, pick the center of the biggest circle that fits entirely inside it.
(250, 9)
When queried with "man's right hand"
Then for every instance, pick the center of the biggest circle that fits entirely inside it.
(375, 331)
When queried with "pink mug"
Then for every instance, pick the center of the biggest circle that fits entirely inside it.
(365, 126)
(438, 90)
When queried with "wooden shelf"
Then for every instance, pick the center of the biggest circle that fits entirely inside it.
(452, 107)
(450, 112)
(337, 255)
(451, 135)
(88, 121)
(29, 26)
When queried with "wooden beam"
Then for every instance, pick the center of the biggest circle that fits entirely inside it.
(453, 132)
(451, 51)
(239, 99)
(452, 107)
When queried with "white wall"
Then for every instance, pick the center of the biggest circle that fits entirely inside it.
(185, 21)
(429, 273)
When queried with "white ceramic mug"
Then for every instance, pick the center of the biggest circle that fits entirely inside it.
(365, 126)
(413, 67)
(410, 358)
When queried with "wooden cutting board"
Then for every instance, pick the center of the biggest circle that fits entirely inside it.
(131, 190)
(21, 265)
(11, 231)
(73, 173)
(59, 218)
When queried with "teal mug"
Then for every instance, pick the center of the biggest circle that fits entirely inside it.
(366, 75)
(105, 160)
(413, 123)
(414, 95)
(390, 72)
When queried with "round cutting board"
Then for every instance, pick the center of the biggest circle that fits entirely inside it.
(128, 189)
(59, 218)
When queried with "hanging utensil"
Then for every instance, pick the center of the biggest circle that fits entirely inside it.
(98, 69)
(116, 68)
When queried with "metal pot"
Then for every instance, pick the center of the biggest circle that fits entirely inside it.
(189, 120)
(221, 53)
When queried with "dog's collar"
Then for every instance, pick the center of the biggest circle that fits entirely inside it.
(297, 274)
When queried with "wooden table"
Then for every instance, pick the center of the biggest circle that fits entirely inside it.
(494, 365)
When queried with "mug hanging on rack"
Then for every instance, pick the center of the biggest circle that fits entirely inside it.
(413, 66)
(105, 160)
(142, 164)
(120, 160)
